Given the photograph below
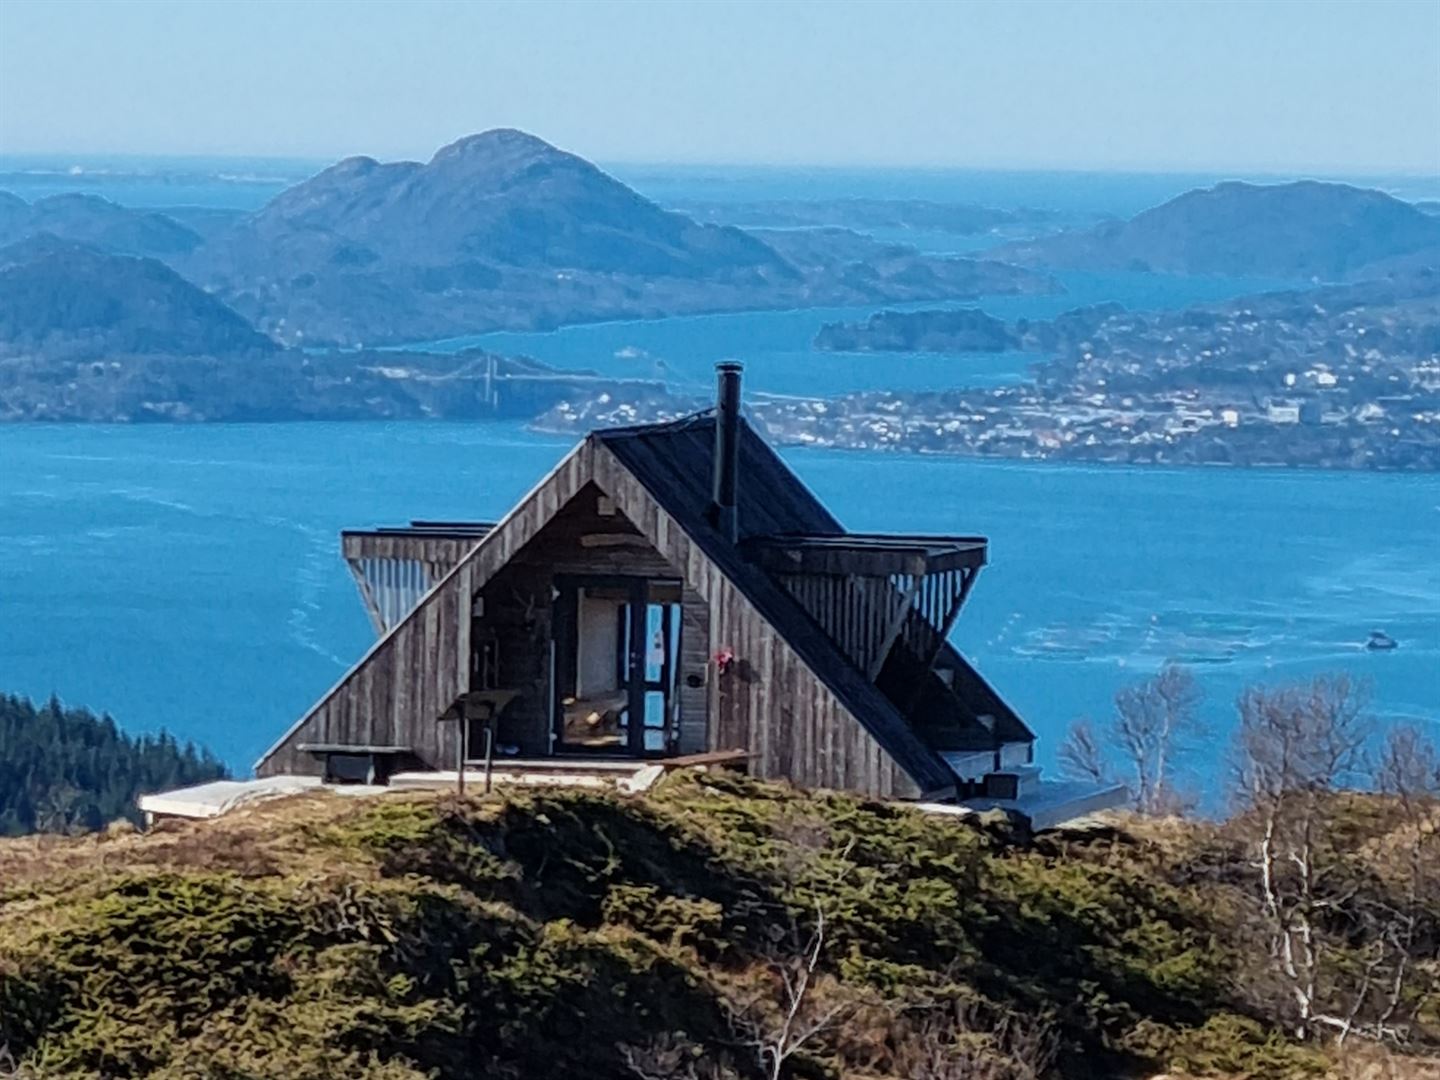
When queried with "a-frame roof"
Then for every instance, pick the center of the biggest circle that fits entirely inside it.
(672, 465)
(674, 461)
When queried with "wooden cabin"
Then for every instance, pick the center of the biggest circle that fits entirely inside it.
(668, 590)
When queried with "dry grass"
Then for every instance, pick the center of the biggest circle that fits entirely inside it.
(250, 841)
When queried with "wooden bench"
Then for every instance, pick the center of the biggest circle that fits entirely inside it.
(358, 764)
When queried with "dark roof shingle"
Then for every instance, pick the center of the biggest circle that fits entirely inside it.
(673, 461)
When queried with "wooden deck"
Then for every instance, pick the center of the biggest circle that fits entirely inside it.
(633, 775)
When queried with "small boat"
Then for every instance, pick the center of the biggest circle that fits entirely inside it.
(1380, 641)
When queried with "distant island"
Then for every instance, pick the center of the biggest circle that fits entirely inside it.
(1298, 231)
(961, 331)
(499, 230)
(87, 335)
(1342, 376)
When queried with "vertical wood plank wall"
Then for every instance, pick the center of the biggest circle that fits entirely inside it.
(769, 703)
(412, 675)
(695, 672)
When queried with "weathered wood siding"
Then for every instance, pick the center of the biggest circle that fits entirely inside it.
(440, 554)
(695, 673)
(518, 609)
(770, 702)
(413, 674)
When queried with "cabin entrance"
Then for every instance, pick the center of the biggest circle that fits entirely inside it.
(614, 658)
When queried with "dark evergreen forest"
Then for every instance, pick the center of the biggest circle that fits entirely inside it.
(68, 770)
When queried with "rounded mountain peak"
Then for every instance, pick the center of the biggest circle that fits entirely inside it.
(358, 163)
(506, 142)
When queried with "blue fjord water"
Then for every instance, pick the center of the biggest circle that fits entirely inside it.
(775, 345)
(190, 577)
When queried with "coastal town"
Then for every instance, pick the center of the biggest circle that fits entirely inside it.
(1337, 377)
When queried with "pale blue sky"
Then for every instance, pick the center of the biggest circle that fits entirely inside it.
(1348, 87)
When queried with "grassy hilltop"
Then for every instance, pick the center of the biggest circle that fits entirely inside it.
(575, 934)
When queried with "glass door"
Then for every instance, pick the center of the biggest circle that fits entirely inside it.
(662, 647)
(616, 646)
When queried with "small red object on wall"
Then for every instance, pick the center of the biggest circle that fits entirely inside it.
(724, 660)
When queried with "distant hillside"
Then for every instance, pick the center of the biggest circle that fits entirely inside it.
(91, 336)
(503, 230)
(64, 770)
(290, 385)
(557, 934)
(206, 222)
(95, 222)
(1300, 327)
(864, 266)
(504, 196)
(961, 219)
(65, 300)
(1300, 230)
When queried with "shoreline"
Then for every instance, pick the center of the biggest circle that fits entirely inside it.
(1282, 561)
(564, 437)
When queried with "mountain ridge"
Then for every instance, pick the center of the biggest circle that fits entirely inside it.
(70, 300)
(501, 230)
(94, 221)
(1303, 229)
(472, 196)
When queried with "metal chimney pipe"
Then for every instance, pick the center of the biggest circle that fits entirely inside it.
(723, 510)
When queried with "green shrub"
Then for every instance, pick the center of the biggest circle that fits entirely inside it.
(535, 934)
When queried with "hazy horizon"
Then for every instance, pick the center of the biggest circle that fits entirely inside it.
(1214, 88)
(65, 157)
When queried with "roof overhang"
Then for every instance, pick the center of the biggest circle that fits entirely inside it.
(400, 541)
(867, 554)
(394, 566)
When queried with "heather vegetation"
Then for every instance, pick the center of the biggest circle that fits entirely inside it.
(716, 928)
(1347, 929)
(68, 770)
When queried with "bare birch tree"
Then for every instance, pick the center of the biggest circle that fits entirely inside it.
(1082, 754)
(791, 1004)
(780, 1022)
(1408, 771)
(1154, 722)
(1295, 746)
